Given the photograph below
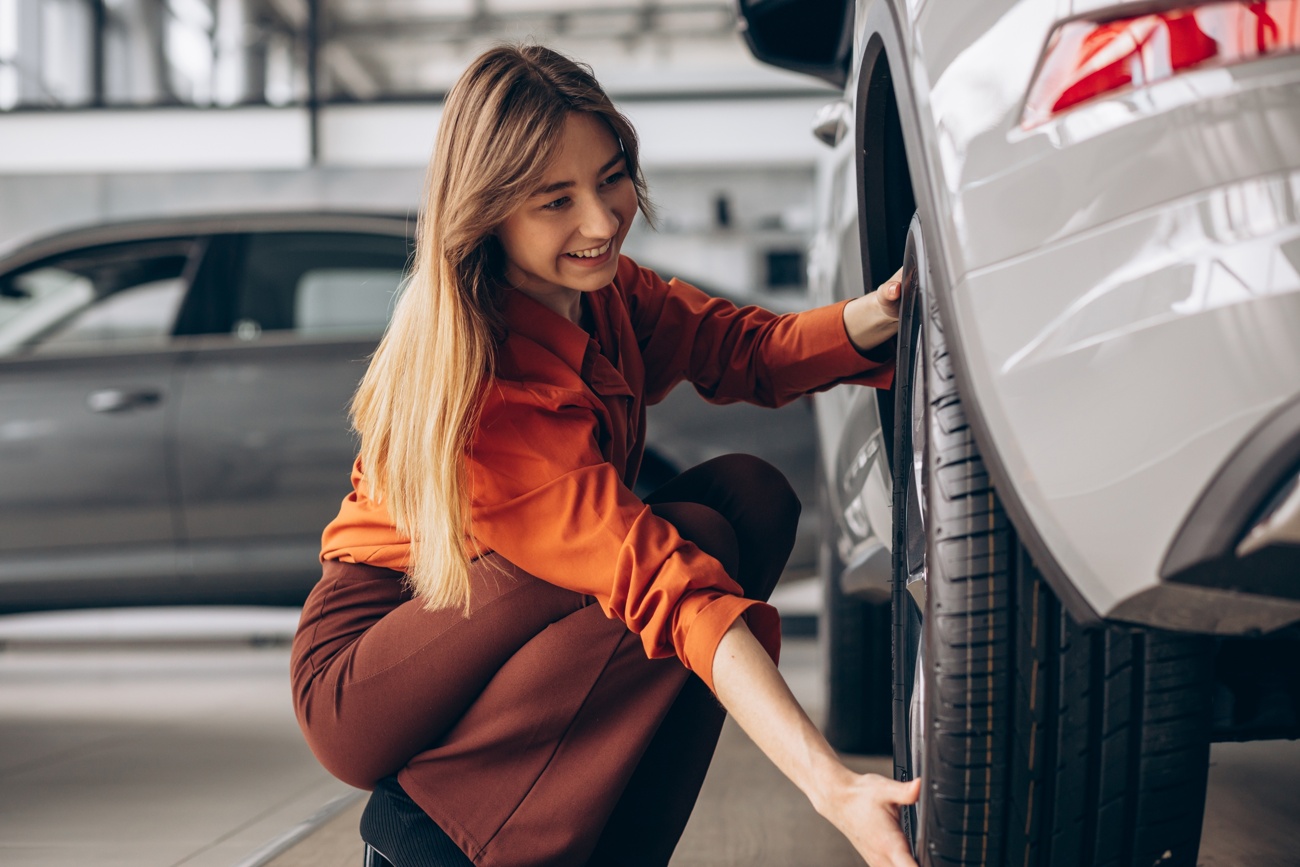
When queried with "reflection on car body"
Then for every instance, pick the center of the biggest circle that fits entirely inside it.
(173, 426)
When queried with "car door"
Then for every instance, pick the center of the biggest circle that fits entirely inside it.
(854, 453)
(88, 392)
(264, 444)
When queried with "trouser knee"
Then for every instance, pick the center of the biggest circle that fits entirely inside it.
(774, 505)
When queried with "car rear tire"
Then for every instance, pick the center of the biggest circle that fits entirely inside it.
(1040, 742)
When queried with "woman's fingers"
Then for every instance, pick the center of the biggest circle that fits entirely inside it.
(907, 793)
(890, 294)
(892, 847)
(896, 850)
(868, 816)
(894, 286)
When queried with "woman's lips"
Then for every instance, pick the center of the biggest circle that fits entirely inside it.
(606, 251)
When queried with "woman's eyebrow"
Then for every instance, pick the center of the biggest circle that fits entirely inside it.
(563, 185)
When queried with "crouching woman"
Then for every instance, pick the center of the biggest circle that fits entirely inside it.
(506, 640)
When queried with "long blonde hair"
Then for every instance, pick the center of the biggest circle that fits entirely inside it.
(417, 407)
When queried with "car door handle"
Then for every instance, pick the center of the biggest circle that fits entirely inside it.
(831, 122)
(120, 400)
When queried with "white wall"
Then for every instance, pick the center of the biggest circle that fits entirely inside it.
(678, 133)
(72, 168)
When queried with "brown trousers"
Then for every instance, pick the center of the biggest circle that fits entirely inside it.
(535, 731)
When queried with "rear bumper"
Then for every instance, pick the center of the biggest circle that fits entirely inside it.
(1239, 536)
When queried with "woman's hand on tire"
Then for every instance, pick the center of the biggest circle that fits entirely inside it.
(865, 808)
(871, 319)
(889, 295)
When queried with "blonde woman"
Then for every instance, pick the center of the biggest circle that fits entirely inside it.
(511, 647)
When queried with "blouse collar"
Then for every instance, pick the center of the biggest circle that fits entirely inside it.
(535, 321)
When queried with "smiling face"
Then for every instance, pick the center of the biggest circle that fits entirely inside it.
(564, 240)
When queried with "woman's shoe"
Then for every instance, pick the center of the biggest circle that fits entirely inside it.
(399, 833)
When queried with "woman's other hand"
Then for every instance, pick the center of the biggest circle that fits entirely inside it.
(872, 319)
(865, 808)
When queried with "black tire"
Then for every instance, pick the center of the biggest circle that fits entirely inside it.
(1041, 743)
(855, 644)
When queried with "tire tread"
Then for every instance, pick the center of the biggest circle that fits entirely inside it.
(1051, 744)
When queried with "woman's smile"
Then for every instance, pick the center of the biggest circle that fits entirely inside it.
(592, 257)
(591, 253)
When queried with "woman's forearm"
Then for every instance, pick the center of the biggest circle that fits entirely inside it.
(864, 807)
(753, 691)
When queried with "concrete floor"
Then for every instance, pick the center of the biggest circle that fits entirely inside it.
(156, 738)
(137, 757)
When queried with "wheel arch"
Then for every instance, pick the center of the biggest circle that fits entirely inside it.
(893, 181)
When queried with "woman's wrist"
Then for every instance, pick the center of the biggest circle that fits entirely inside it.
(831, 780)
(869, 323)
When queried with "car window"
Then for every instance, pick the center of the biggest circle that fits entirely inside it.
(318, 284)
(137, 317)
(105, 299)
(343, 301)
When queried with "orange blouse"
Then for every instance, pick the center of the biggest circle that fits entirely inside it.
(561, 436)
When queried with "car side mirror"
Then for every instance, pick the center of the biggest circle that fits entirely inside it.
(814, 37)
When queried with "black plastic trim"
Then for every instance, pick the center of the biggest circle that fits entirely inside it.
(882, 26)
(1203, 552)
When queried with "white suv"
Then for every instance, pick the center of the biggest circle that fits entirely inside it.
(1081, 499)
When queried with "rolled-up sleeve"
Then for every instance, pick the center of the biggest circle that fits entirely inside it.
(545, 498)
(732, 353)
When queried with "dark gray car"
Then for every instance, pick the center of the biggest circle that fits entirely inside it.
(173, 402)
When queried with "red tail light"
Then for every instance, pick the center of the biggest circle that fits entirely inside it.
(1087, 59)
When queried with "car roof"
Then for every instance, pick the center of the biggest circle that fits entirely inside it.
(115, 232)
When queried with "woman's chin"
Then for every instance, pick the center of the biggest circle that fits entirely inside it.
(588, 278)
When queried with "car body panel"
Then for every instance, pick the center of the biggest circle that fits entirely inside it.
(264, 451)
(1093, 263)
(86, 493)
(1125, 401)
(1119, 285)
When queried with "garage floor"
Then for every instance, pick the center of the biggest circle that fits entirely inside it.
(166, 738)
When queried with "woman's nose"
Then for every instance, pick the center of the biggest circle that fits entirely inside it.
(598, 219)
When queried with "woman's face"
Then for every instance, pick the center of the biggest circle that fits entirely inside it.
(565, 238)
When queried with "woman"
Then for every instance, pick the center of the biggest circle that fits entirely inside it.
(498, 612)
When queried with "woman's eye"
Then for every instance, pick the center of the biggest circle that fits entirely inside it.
(556, 205)
(614, 178)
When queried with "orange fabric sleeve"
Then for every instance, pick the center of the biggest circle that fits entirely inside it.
(363, 531)
(546, 499)
(735, 353)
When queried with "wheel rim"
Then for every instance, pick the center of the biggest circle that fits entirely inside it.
(913, 535)
(916, 509)
(916, 573)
